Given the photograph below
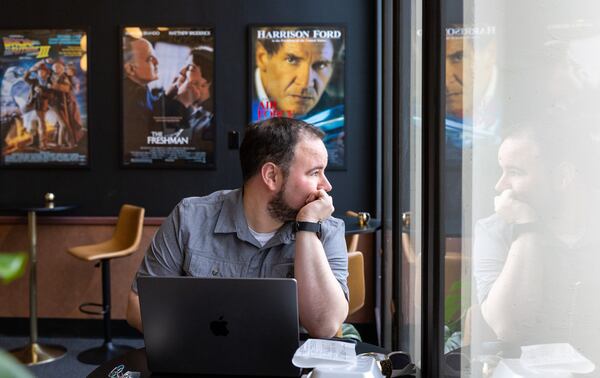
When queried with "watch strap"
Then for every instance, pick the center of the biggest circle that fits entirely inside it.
(308, 226)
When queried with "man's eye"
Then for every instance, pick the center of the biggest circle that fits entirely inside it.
(457, 57)
(321, 65)
(291, 59)
(515, 172)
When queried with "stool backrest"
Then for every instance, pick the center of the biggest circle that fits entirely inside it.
(128, 231)
(356, 281)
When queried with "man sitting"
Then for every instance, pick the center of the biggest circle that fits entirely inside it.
(278, 224)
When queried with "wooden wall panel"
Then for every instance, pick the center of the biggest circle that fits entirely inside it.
(64, 282)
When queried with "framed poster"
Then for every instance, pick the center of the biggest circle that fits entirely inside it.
(298, 72)
(43, 98)
(167, 97)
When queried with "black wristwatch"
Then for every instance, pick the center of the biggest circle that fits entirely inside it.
(308, 226)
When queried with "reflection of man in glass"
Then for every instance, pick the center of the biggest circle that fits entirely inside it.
(471, 108)
(456, 64)
(536, 259)
(471, 76)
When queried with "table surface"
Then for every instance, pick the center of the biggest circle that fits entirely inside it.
(135, 360)
(352, 226)
(39, 207)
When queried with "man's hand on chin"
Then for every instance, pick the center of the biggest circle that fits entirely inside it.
(513, 210)
(319, 206)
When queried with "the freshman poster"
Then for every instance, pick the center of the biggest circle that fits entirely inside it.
(43, 97)
(167, 97)
(298, 72)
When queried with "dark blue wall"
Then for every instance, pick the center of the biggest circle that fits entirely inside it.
(101, 189)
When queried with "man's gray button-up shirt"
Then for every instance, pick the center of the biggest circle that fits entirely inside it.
(209, 237)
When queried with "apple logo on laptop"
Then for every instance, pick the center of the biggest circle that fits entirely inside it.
(219, 327)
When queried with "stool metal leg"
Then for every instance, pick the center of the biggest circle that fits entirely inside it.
(35, 353)
(107, 351)
(106, 300)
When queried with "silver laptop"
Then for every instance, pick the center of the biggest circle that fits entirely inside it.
(234, 326)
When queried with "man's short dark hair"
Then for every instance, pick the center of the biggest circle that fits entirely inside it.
(271, 46)
(202, 57)
(273, 140)
(562, 136)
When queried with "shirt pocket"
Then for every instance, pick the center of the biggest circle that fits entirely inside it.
(203, 266)
(284, 270)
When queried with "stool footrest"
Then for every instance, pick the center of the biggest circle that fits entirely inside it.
(102, 311)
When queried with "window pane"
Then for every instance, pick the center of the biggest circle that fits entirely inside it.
(410, 293)
(523, 138)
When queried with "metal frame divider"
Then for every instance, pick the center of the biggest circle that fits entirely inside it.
(433, 129)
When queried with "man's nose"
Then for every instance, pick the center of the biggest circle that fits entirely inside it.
(325, 184)
(502, 184)
(306, 76)
(452, 77)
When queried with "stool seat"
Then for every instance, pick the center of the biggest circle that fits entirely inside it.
(108, 249)
(125, 240)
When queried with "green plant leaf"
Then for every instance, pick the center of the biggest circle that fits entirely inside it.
(11, 368)
(12, 266)
(452, 303)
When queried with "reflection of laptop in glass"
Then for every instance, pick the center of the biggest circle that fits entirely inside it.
(236, 326)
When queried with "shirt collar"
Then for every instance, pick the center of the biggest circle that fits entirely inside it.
(233, 220)
(232, 217)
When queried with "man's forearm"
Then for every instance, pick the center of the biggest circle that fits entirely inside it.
(321, 300)
(134, 317)
(515, 295)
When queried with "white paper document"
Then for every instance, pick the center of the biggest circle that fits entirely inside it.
(545, 361)
(317, 352)
(560, 357)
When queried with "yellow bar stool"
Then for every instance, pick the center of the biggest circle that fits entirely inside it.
(356, 281)
(356, 284)
(125, 241)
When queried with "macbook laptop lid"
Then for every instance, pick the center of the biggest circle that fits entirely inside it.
(236, 326)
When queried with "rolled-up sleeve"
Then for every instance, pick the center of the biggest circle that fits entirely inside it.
(334, 244)
(165, 255)
(490, 249)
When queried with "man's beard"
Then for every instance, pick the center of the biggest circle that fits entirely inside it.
(279, 209)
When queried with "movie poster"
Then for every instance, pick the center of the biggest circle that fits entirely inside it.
(298, 72)
(167, 97)
(43, 97)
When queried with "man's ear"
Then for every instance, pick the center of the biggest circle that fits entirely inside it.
(271, 176)
(262, 57)
(129, 69)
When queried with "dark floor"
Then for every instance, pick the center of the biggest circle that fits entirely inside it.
(80, 335)
(67, 366)
(76, 335)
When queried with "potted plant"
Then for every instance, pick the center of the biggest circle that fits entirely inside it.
(12, 266)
